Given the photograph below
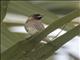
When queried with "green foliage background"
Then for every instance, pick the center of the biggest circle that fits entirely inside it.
(9, 40)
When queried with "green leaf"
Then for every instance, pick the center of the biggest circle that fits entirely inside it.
(42, 53)
(23, 8)
(7, 39)
(4, 5)
(18, 50)
(57, 43)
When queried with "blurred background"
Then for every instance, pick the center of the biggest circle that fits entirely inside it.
(12, 29)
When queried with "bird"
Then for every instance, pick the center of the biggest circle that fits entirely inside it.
(34, 25)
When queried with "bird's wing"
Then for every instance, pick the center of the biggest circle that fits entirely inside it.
(39, 26)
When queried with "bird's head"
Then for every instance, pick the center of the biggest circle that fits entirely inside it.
(37, 16)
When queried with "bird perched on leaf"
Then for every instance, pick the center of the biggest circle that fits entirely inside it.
(34, 24)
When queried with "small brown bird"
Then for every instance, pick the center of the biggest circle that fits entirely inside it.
(34, 24)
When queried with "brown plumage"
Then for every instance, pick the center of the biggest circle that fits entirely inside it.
(34, 24)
